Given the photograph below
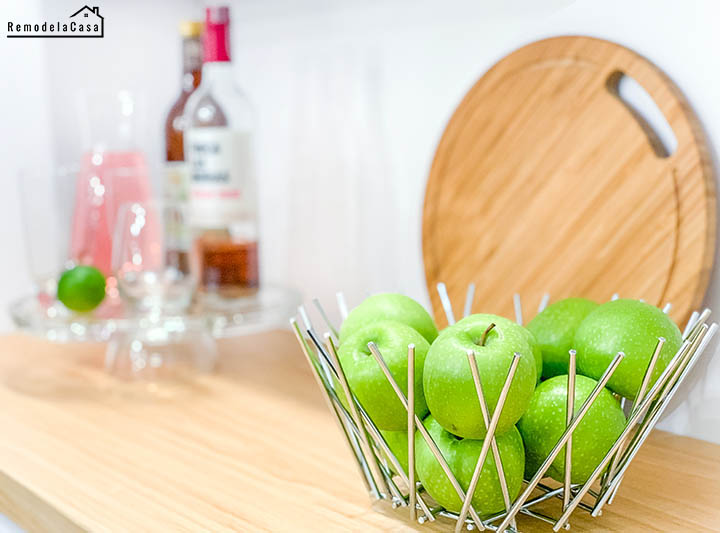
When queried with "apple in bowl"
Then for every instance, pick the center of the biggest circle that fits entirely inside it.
(632, 327)
(367, 380)
(447, 380)
(543, 424)
(461, 456)
(554, 330)
(389, 306)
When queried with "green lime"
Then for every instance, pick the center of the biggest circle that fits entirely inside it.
(81, 288)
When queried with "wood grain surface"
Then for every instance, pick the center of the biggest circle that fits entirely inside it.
(249, 449)
(545, 181)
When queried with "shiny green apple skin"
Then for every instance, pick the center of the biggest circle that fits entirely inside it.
(537, 354)
(544, 423)
(461, 456)
(554, 330)
(628, 326)
(367, 380)
(397, 441)
(389, 306)
(447, 379)
(532, 341)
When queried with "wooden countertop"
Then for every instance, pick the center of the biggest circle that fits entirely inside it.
(249, 449)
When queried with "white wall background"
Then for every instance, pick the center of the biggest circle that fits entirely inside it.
(25, 142)
(352, 97)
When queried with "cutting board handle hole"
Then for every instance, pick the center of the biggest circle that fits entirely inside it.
(645, 111)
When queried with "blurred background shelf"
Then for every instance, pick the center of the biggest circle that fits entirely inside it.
(267, 309)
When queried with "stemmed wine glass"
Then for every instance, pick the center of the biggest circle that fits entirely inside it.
(150, 260)
(150, 257)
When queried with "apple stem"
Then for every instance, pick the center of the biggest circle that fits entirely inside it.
(485, 333)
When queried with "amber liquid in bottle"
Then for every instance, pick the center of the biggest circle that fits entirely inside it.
(176, 175)
(225, 265)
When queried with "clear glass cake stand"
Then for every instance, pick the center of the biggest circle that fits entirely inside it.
(152, 345)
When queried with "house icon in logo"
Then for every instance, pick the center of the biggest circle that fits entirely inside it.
(90, 15)
(88, 11)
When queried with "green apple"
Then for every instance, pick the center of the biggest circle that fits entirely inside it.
(367, 380)
(544, 423)
(537, 353)
(447, 379)
(532, 341)
(461, 456)
(389, 306)
(397, 441)
(628, 326)
(554, 329)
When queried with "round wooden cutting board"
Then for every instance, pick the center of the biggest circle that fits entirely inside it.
(546, 181)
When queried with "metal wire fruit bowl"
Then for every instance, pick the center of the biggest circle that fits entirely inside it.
(387, 481)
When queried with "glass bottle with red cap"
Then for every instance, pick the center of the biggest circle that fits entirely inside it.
(219, 149)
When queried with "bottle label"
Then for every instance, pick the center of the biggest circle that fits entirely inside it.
(177, 181)
(220, 174)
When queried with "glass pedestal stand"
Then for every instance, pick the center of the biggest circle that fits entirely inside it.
(161, 348)
(157, 347)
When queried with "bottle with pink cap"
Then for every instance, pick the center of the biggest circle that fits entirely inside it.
(219, 150)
